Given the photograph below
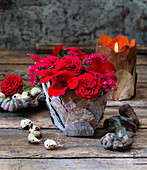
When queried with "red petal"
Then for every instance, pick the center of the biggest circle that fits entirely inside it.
(45, 79)
(73, 82)
(97, 63)
(99, 66)
(106, 67)
(57, 49)
(34, 57)
(59, 65)
(46, 72)
(64, 75)
(72, 48)
(112, 76)
(56, 90)
(101, 75)
(90, 70)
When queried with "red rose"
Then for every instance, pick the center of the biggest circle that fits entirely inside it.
(89, 86)
(72, 64)
(50, 61)
(12, 84)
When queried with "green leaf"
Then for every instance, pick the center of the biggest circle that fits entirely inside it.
(61, 54)
(102, 93)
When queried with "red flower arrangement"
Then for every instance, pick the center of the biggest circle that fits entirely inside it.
(89, 76)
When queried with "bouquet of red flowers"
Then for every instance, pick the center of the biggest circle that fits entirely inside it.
(76, 86)
(89, 76)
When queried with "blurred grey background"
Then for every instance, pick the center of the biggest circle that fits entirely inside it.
(23, 23)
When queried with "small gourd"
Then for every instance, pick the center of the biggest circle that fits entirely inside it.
(16, 96)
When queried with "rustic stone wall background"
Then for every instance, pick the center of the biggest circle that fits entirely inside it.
(26, 22)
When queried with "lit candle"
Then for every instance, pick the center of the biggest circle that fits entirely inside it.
(116, 47)
(122, 55)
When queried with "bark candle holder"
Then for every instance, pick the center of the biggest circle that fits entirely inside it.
(123, 56)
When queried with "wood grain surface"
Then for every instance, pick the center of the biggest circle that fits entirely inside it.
(17, 146)
(70, 164)
(89, 48)
(71, 152)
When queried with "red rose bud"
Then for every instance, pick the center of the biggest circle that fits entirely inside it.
(12, 84)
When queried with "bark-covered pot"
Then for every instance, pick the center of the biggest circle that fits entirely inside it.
(73, 115)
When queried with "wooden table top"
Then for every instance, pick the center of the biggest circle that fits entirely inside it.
(71, 152)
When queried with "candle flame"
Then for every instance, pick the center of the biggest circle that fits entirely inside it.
(116, 47)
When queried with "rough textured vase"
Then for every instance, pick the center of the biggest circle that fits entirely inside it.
(74, 115)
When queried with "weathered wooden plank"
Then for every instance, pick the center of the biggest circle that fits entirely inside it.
(141, 94)
(15, 56)
(48, 47)
(78, 164)
(13, 67)
(141, 48)
(89, 48)
(40, 115)
(141, 69)
(19, 56)
(133, 103)
(141, 59)
(141, 85)
(14, 144)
